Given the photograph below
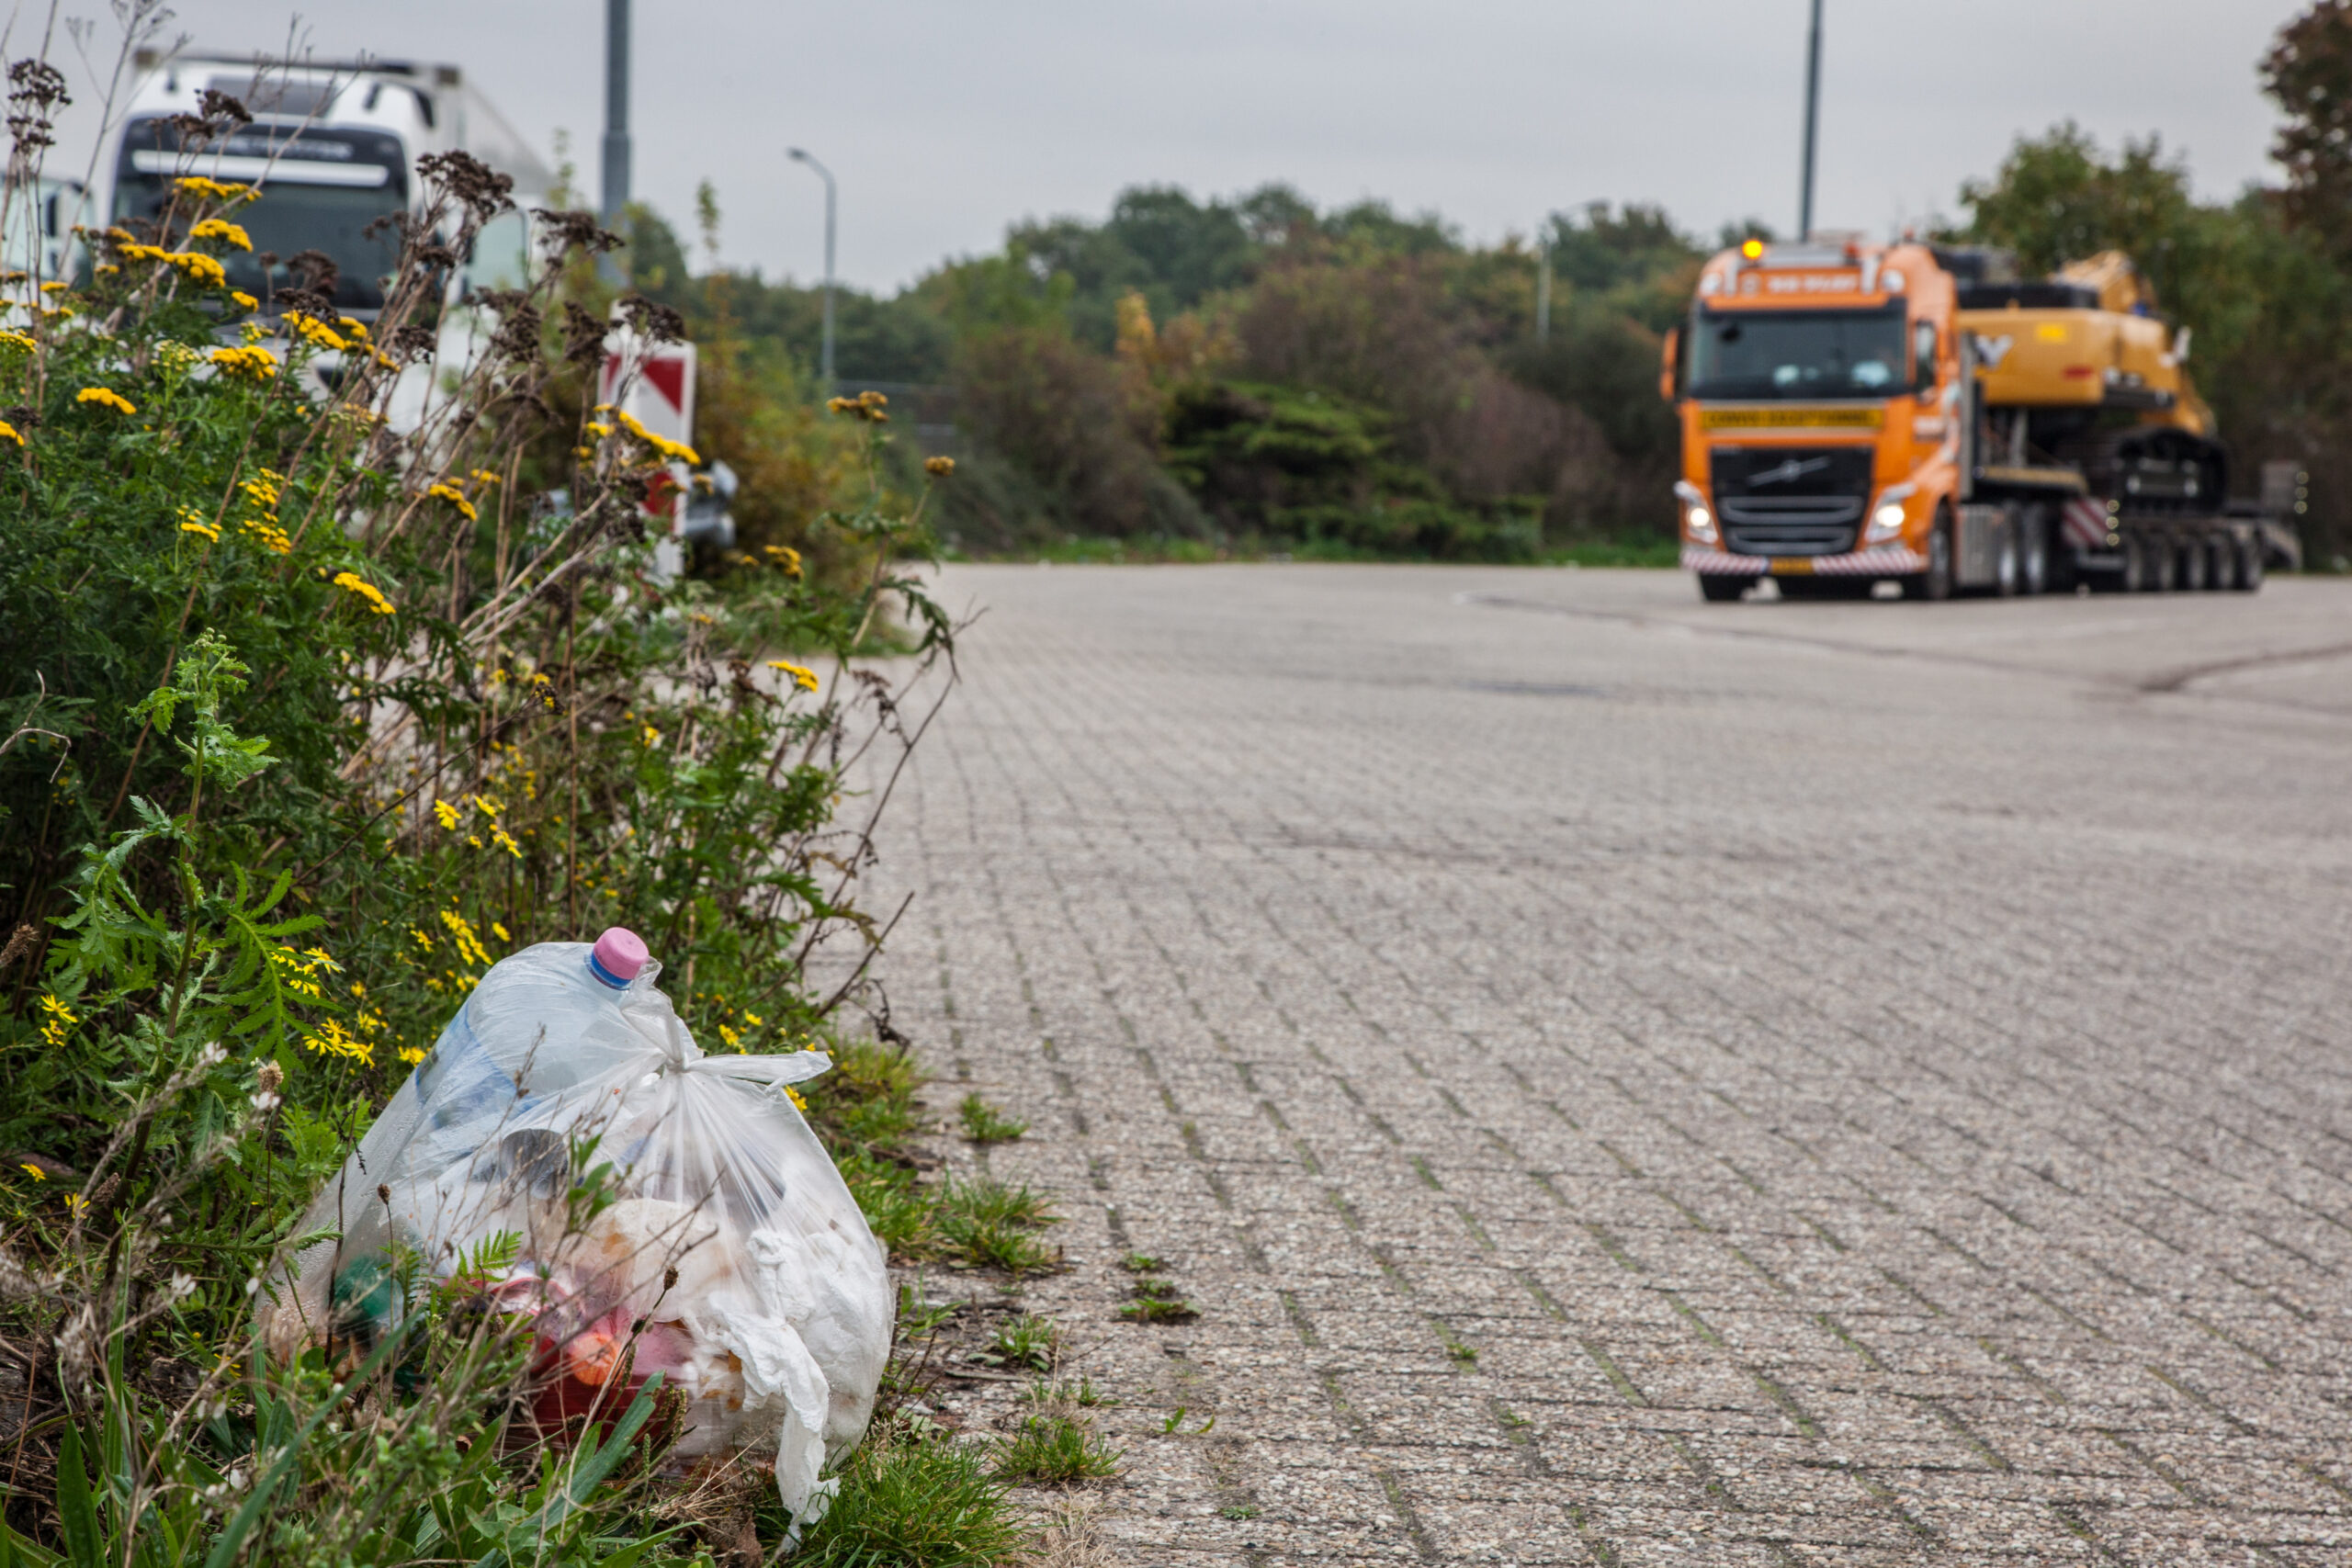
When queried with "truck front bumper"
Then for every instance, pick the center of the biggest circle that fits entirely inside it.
(1891, 560)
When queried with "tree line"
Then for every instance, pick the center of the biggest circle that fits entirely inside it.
(1255, 372)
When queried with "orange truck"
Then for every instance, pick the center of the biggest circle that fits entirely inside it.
(1855, 414)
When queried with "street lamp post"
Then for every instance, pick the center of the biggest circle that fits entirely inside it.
(825, 355)
(612, 211)
(1812, 122)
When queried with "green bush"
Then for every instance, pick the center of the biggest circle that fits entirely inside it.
(316, 715)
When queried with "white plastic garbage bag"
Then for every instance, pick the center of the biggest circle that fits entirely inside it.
(776, 1323)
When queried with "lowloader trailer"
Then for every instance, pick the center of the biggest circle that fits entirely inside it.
(1855, 414)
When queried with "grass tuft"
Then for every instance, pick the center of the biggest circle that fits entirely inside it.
(914, 1505)
(984, 1123)
(990, 1223)
(1054, 1451)
(1142, 1263)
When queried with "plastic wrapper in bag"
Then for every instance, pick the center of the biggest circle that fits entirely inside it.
(777, 1323)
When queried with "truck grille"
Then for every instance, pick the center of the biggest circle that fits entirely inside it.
(1792, 501)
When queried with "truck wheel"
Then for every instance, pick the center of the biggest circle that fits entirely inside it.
(2220, 565)
(1721, 590)
(1935, 584)
(2192, 567)
(2033, 555)
(2137, 577)
(2164, 567)
(2006, 566)
(2249, 573)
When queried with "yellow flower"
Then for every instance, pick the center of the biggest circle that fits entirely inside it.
(271, 535)
(734, 1041)
(221, 229)
(676, 451)
(651, 737)
(366, 589)
(455, 497)
(315, 332)
(251, 360)
(505, 841)
(197, 185)
(332, 1040)
(755, 1020)
(411, 1055)
(939, 468)
(104, 397)
(793, 1095)
(446, 812)
(8, 432)
(59, 1021)
(499, 932)
(785, 557)
(32, 1170)
(802, 676)
(483, 475)
(198, 266)
(211, 533)
(352, 328)
(865, 405)
(244, 300)
(18, 340)
(51, 288)
(462, 933)
(599, 430)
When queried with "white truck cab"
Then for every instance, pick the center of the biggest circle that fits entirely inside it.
(334, 148)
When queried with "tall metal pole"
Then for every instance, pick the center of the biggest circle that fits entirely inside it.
(1811, 121)
(614, 208)
(825, 355)
(1543, 292)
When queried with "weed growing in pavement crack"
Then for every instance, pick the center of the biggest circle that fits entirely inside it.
(984, 1123)
(986, 1221)
(1056, 1450)
(1158, 1301)
(1024, 1340)
(1082, 1393)
(1141, 1263)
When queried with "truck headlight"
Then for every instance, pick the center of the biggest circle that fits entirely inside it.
(1886, 521)
(1700, 522)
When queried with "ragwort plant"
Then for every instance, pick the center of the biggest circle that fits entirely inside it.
(341, 670)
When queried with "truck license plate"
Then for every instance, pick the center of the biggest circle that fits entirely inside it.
(1792, 566)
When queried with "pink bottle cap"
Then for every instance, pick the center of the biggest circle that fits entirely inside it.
(619, 952)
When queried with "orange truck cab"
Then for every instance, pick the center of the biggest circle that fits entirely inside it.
(1819, 391)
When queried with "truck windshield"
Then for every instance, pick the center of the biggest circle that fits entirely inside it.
(369, 182)
(1796, 354)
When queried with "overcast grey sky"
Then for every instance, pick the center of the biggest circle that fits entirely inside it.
(946, 119)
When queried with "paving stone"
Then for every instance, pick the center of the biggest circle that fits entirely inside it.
(1633, 1082)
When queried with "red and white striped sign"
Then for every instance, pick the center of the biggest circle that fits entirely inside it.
(2085, 522)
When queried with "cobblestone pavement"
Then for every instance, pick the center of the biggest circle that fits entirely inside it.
(1634, 1082)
